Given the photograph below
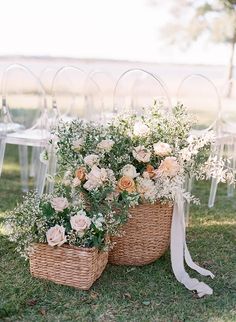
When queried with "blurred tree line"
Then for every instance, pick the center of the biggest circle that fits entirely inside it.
(213, 19)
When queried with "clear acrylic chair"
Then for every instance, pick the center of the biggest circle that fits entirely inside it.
(75, 95)
(228, 128)
(24, 119)
(46, 78)
(136, 89)
(106, 83)
(200, 95)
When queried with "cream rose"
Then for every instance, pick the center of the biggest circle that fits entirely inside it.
(169, 167)
(59, 203)
(129, 170)
(76, 182)
(91, 159)
(77, 144)
(126, 184)
(56, 236)
(80, 222)
(105, 145)
(146, 188)
(141, 154)
(141, 129)
(162, 149)
(95, 178)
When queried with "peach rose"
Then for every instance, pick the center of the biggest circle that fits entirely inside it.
(126, 184)
(162, 149)
(80, 174)
(149, 173)
(168, 167)
(59, 203)
(56, 236)
(80, 222)
(141, 154)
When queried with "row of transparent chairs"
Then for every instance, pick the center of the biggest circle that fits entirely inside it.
(26, 120)
(73, 93)
(27, 126)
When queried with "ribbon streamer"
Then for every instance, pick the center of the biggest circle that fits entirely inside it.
(179, 252)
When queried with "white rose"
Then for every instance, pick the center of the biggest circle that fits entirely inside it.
(56, 236)
(76, 182)
(77, 144)
(67, 174)
(105, 145)
(59, 203)
(95, 178)
(98, 222)
(80, 222)
(130, 171)
(141, 154)
(141, 129)
(162, 149)
(66, 182)
(91, 159)
(146, 188)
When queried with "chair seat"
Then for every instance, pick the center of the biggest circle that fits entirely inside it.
(31, 137)
(10, 127)
(229, 128)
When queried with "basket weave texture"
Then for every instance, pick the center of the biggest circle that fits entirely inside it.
(146, 235)
(68, 265)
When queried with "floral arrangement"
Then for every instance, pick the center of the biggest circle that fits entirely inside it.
(103, 170)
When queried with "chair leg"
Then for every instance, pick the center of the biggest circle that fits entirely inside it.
(52, 168)
(23, 158)
(34, 161)
(231, 152)
(40, 174)
(214, 181)
(2, 152)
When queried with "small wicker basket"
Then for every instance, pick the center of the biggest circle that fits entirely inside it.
(146, 235)
(67, 265)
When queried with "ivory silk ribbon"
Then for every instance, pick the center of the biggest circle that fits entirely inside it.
(179, 252)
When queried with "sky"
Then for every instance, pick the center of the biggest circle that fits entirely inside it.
(113, 29)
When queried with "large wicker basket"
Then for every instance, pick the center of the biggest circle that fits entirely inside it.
(146, 235)
(67, 265)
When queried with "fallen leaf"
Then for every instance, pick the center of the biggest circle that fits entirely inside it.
(94, 295)
(127, 295)
(32, 302)
(42, 311)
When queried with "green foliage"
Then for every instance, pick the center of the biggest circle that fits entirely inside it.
(148, 293)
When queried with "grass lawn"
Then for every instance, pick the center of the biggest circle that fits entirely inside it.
(149, 293)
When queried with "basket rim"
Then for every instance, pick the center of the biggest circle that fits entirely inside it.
(76, 248)
(168, 203)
